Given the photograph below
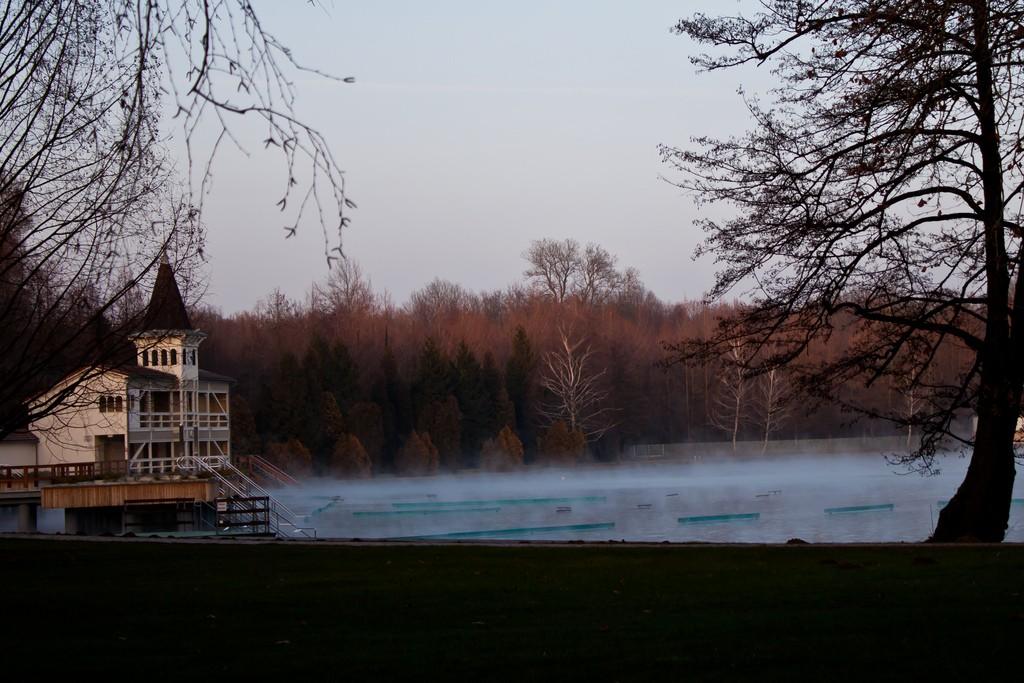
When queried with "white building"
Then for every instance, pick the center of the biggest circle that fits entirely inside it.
(138, 418)
(143, 446)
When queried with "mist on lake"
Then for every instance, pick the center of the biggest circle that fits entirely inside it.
(818, 498)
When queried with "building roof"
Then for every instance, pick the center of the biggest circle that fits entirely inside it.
(22, 434)
(166, 310)
(208, 376)
(142, 372)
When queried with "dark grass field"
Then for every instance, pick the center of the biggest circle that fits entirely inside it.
(297, 612)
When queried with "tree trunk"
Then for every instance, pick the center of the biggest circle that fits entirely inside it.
(981, 507)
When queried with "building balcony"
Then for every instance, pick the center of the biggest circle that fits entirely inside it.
(172, 420)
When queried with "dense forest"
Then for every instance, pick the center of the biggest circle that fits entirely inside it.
(567, 363)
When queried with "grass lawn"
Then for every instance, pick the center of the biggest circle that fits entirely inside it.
(212, 611)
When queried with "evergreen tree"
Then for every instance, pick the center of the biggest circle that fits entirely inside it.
(441, 421)
(331, 429)
(561, 446)
(289, 406)
(503, 453)
(503, 413)
(391, 393)
(434, 376)
(291, 456)
(332, 423)
(475, 405)
(341, 375)
(417, 456)
(519, 381)
(244, 438)
(399, 392)
(366, 422)
(331, 368)
(313, 362)
(349, 459)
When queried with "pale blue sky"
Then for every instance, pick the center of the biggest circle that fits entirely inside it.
(474, 128)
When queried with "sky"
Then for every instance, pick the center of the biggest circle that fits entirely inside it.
(474, 128)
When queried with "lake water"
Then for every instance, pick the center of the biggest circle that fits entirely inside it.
(716, 499)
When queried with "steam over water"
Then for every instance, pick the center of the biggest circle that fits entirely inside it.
(769, 499)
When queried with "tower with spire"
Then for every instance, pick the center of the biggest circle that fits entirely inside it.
(168, 342)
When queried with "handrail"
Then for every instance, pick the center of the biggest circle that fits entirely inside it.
(251, 485)
(28, 477)
(170, 420)
(244, 487)
(265, 467)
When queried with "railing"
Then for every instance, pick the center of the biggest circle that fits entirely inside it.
(30, 477)
(234, 483)
(171, 420)
(138, 466)
(259, 466)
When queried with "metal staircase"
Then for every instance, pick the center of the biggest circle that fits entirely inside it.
(261, 469)
(237, 492)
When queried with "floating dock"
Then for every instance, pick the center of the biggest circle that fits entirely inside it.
(498, 502)
(521, 531)
(714, 519)
(428, 511)
(853, 509)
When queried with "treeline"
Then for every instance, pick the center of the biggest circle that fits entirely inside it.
(561, 366)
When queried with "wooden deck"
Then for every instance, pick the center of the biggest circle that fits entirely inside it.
(118, 493)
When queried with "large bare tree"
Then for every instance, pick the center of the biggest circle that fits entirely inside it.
(881, 187)
(561, 269)
(730, 409)
(86, 190)
(554, 266)
(573, 386)
(349, 289)
(772, 403)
